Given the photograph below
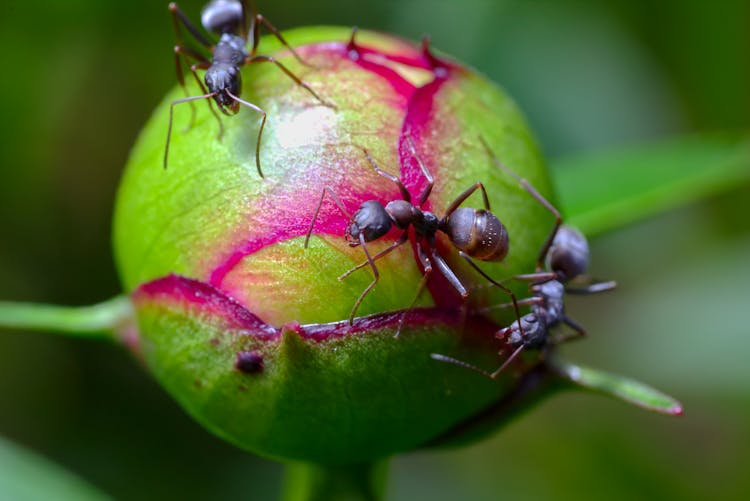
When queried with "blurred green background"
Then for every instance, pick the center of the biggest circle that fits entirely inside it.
(81, 77)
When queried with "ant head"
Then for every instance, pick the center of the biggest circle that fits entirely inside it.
(221, 78)
(222, 16)
(533, 334)
(371, 220)
(478, 233)
(569, 253)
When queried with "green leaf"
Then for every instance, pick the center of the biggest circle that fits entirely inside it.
(621, 388)
(604, 191)
(27, 476)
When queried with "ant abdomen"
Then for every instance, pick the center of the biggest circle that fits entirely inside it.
(222, 16)
(569, 253)
(478, 233)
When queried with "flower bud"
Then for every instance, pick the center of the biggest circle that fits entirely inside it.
(246, 327)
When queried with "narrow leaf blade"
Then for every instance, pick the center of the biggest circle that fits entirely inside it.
(25, 476)
(607, 190)
(621, 388)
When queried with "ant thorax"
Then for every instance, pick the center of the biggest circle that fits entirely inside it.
(552, 307)
(426, 225)
(533, 331)
(230, 49)
(403, 213)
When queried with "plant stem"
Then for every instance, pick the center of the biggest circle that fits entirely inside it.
(102, 320)
(317, 482)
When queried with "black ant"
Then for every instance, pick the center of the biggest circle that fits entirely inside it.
(476, 233)
(223, 80)
(566, 254)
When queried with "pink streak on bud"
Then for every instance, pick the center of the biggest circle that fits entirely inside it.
(205, 298)
(209, 303)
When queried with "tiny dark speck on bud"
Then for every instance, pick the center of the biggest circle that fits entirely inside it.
(249, 362)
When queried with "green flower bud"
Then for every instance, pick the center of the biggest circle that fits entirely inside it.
(247, 328)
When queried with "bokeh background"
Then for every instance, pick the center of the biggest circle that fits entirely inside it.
(78, 80)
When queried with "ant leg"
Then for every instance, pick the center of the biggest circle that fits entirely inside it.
(580, 332)
(592, 288)
(259, 20)
(529, 301)
(179, 17)
(438, 67)
(540, 278)
(466, 194)
(372, 284)
(183, 51)
(193, 70)
(404, 192)
(448, 273)
(245, 10)
(171, 112)
(497, 284)
(351, 48)
(427, 267)
(260, 131)
(430, 180)
(269, 59)
(508, 361)
(402, 240)
(338, 203)
(538, 196)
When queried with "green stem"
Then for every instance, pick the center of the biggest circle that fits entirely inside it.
(315, 482)
(101, 320)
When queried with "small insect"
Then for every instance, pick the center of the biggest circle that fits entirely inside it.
(476, 233)
(566, 255)
(223, 80)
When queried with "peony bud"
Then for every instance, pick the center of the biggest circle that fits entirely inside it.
(246, 327)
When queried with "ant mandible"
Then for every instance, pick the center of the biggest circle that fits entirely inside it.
(476, 233)
(566, 255)
(223, 80)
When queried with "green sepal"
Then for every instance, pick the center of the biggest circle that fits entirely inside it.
(619, 387)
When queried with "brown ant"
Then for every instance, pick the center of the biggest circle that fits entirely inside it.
(223, 80)
(476, 233)
(566, 254)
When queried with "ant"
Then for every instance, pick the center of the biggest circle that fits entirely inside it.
(476, 233)
(223, 80)
(566, 255)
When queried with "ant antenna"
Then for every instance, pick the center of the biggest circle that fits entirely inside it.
(460, 363)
